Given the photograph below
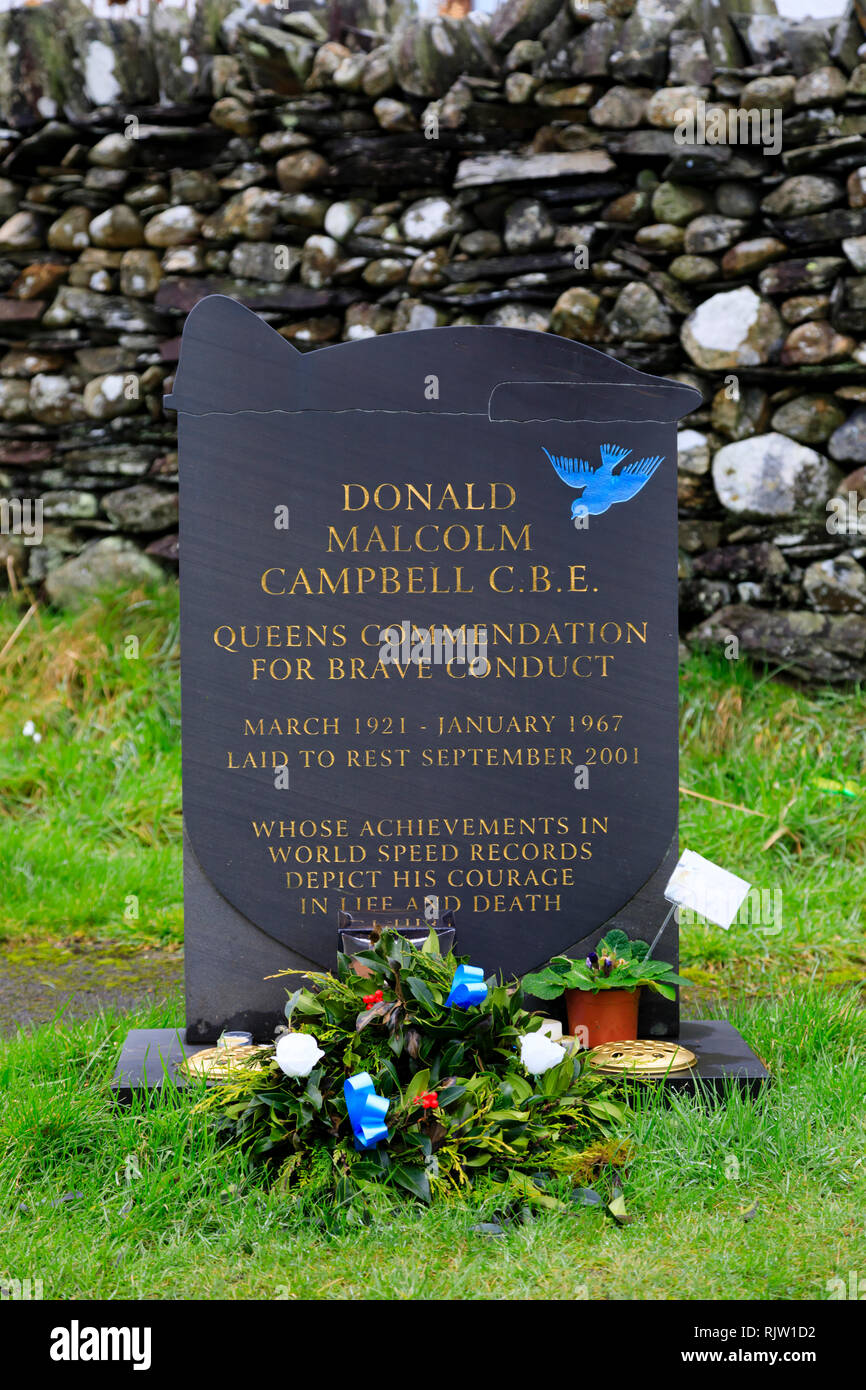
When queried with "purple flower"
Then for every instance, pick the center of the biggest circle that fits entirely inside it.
(592, 960)
(607, 965)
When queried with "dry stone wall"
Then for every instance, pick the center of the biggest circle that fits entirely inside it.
(348, 171)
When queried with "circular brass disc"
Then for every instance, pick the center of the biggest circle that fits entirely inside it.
(644, 1057)
(217, 1062)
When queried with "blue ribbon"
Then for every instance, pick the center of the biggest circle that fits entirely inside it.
(467, 987)
(366, 1111)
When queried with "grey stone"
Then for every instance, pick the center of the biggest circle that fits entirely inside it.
(521, 19)
(620, 108)
(528, 226)
(736, 200)
(830, 648)
(693, 452)
(678, 203)
(385, 272)
(106, 397)
(21, 232)
(263, 260)
(428, 56)
(639, 314)
(506, 167)
(824, 84)
(810, 419)
(140, 273)
(54, 400)
(836, 585)
(430, 221)
(642, 48)
(802, 194)
(319, 260)
(772, 476)
(517, 315)
(574, 314)
(250, 215)
(116, 228)
(733, 329)
(694, 269)
(712, 233)
(111, 563)
(141, 508)
(113, 151)
(848, 442)
(73, 305)
(69, 505)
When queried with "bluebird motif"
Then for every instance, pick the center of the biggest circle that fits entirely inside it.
(607, 482)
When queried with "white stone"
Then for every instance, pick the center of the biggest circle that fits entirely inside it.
(693, 452)
(723, 321)
(771, 475)
(855, 249)
(429, 221)
(100, 83)
(341, 218)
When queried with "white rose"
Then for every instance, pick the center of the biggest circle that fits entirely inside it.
(538, 1054)
(297, 1053)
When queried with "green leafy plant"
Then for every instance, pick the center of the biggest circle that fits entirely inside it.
(463, 1107)
(617, 963)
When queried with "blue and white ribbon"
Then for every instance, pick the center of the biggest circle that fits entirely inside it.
(467, 987)
(367, 1111)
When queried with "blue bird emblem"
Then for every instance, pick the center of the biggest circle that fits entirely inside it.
(602, 484)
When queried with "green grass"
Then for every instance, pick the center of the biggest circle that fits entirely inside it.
(164, 1214)
(763, 746)
(90, 826)
(90, 819)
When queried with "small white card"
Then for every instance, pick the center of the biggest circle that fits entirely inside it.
(712, 892)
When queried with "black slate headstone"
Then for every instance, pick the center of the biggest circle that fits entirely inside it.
(337, 506)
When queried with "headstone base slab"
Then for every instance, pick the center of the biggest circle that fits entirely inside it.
(150, 1057)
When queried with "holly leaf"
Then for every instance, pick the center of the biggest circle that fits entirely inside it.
(417, 1086)
(380, 1010)
(422, 991)
(415, 1180)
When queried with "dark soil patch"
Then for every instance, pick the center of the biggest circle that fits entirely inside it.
(38, 979)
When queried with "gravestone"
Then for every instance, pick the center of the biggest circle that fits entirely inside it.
(428, 646)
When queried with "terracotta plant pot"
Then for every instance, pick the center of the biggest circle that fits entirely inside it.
(608, 1016)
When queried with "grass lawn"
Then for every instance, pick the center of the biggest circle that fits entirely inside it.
(747, 1199)
(744, 1200)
